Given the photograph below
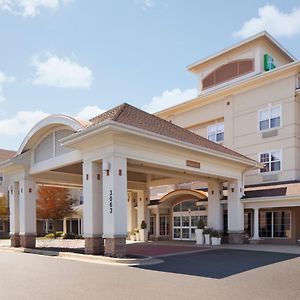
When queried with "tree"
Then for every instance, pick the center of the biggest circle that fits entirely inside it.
(3, 207)
(53, 203)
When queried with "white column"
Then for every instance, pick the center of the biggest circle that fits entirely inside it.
(115, 205)
(27, 190)
(215, 210)
(235, 210)
(92, 207)
(130, 212)
(256, 224)
(14, 218)
(65, 229)
(141, 206)
(78, 226)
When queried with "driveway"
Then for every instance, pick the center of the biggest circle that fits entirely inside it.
(217, 274)
(218, 263)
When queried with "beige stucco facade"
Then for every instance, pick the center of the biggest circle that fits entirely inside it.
(237, 103)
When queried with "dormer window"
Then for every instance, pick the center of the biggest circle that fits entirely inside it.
(215, 132)
(228, 72)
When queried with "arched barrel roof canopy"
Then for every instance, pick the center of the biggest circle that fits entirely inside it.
(48, 123)
(184, 192)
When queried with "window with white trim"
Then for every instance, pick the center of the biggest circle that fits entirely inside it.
(215, 132)
(272, 161)
(275, 224)
(270, 118)
(1, 177)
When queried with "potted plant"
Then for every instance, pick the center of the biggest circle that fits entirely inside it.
(199, 232)
(215, 238)
(137, 234)
(132, 235)
(143, 232)
(206, 233)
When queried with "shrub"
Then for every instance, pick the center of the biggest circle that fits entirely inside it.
(59, 233)
(143, 225)
(69, 236)
(50, 236)
(200, 224)
(215, 233)
(207, 230)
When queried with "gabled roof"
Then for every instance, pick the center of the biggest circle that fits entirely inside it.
(6, 154)
(263, 34)
(132, 116)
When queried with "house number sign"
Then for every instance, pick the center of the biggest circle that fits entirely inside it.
(110, 201)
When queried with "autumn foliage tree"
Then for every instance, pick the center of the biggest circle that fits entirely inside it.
(3, 207)
(53, 203)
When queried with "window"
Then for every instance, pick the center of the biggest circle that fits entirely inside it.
(215, 132)
(164, 225)
(152, 224)
(1, 225)
(270, 118)
(271, 161)
(275, 224)
(1, 177)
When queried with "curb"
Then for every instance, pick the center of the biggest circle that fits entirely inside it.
(146, 260)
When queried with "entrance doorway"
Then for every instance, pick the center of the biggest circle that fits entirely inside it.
(185, 218)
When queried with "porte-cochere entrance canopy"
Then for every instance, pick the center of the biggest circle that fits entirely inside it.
(123, 151)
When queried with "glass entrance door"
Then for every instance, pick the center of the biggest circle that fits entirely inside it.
(185, 218)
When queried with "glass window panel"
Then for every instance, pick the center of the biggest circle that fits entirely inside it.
(177, 221)
(264, 157)
(220, 137)
(204, 219)
(275, 112)
(211, 130)
(176, 233)
(176, 208)
(186, 221)
(264, 115)
(275, 166)
(275, 155)
(212, 137)
(194, 220)
(263, 125)
(189, 205)
(275, 122)
(185, 233)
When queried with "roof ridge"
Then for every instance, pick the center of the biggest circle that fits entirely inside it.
(119, 111)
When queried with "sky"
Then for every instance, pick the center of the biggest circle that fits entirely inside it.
(82, 57)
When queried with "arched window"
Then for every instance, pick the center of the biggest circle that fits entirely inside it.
(227, 72)
(189, 205)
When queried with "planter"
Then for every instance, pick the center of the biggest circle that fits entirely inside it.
(137, 236)
(132, 237)
(207, 239)
(199, 236)
(143, 235)
(216, 241)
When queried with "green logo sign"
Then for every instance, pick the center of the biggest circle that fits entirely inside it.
(269, 62)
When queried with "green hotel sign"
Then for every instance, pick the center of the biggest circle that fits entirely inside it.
(268, 62)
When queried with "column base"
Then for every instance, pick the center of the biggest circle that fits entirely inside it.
(27, 240)
(115, 247)
(255, 241)
(15, 240)
(94, 245)
(236, 237)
